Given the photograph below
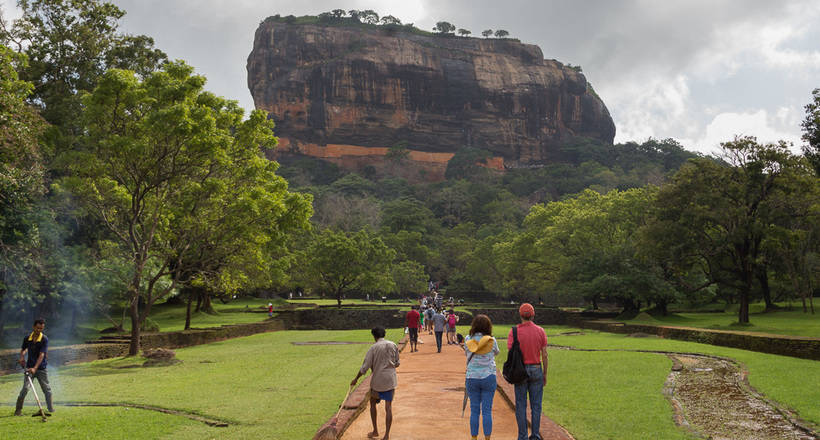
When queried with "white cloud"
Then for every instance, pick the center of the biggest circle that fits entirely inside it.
(725, 126)
(650, 108)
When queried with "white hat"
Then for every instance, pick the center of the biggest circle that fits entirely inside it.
(270, 304)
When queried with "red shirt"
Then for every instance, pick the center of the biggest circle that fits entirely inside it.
(531, 338)
(413, 319)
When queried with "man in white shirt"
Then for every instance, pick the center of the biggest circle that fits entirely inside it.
(383, 359)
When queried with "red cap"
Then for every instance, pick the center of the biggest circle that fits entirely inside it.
(526, 310)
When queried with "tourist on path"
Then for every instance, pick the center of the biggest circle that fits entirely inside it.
(36, 346)
(439, 321)
(428, 319)
(533, 342)
(412, 322)
(481, 348)
(452, 319)
(383, 359)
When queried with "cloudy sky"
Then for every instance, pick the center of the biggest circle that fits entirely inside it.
(699, 71)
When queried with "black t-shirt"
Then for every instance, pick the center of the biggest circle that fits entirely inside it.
(34, 348)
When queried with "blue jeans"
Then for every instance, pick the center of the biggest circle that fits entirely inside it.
(438, 341)
(481, 393)
(534, 385)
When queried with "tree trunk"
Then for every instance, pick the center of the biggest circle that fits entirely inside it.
(2, 320)
(763, 277)
(207, 307)
(134, 347)
(661, 306)
(73, 329)
(339, 298)
(198, 302)
(188, 309)
(743, 312)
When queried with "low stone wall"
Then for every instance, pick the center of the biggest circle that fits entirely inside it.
(204, 336)
(346, 319)
(66, 354)
(795, 346)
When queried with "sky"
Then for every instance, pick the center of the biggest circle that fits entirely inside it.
(698, 71)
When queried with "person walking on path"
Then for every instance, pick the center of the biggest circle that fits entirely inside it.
(452, 319)
(428, 319)
(412, 322)
(481, 348)
(383, 359)
(439, 321)
(533, 342)
(36, 346)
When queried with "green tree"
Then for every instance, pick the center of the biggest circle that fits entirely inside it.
(464, 32)
(407, 214)
(339, 262)
(715, 217)
(70, 44)
(338, 13)
(409, 278)
(157, 151)
(390, 20)
(22, 183)
(811, 128)
(501, 33)
(585, 247)
(369, 16)
(444, 27)
(487, 33)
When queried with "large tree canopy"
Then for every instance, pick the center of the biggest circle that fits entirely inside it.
(175, 175)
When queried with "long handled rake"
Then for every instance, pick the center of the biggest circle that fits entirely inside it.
(330, 431)
(42, 414)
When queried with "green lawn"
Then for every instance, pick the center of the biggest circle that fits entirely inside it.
(783, 322)
(618, 394)
(264, 386)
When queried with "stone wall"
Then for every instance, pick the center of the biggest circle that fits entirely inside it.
(63, 355)
(795, 346)
(66, 354)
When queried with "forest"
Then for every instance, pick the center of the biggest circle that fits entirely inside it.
(125, 183)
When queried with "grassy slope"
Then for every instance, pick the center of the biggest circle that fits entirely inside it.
(587, 391)
(263, 385)
(784, 322)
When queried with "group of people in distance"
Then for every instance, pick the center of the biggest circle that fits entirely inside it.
(434, 321)
(480, 348)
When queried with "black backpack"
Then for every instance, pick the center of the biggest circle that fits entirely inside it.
(514, 371)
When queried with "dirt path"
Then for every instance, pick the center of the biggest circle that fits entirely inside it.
(428, 400)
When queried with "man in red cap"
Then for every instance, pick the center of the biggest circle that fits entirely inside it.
(533, 342)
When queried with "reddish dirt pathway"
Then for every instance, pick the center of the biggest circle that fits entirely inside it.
(429, 397)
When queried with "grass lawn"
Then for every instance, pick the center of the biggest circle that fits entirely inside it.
(618, 394)
(262, 385)
(783, 322)
(266, 387)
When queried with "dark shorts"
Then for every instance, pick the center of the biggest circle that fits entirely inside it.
(414, 334)
(387, 396)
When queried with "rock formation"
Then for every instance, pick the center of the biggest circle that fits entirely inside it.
(348, 94)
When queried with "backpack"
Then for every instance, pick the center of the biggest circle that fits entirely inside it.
(514, 370)
(452, 320)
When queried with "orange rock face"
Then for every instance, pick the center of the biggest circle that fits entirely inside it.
(348, 94)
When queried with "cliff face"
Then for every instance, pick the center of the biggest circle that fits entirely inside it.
(348, 94)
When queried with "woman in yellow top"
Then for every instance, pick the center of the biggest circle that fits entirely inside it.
(480, 347)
